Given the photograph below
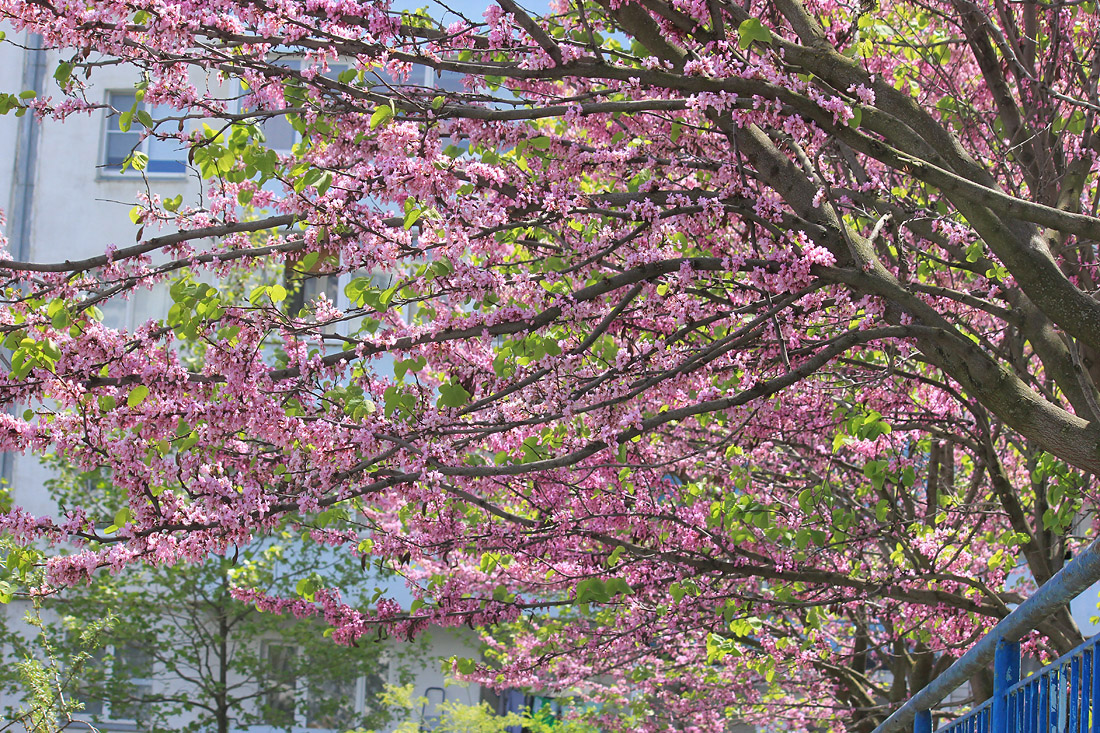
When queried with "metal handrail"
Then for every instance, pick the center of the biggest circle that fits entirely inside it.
(1052, 596)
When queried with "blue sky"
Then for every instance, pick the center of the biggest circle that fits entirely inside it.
(470, 8)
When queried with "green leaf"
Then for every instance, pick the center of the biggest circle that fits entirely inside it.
(122, 516)
(402, 367)
(386, 297)
(381, 116)
(438, 103)
(618, 587)
(60, 319)
(975, 250)
(452, 394)
(137, 395)
(306, 264)
(592, 590)
(356, 290)
(539, 143)
(306, 587)
(125, 120)
(753, 31)
(311, 176)
(442, 267)
(62, 73)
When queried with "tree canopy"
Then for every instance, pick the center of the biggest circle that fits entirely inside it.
(724, 357)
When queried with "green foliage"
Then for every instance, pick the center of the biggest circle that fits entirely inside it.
(597, 590)
(45, 679)
(452, 394)
(753, 31)
(455, 717)
(382, 115)
(185, 621)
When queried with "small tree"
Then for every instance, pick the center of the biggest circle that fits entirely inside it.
(180, 646)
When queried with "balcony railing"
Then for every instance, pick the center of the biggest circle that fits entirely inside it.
(1062, 697)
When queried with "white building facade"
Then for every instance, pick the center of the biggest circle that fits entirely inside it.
(65, 198)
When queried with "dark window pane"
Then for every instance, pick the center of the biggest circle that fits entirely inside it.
(121, 101)
(91, 707)
(279, 700)
(119, 146)
(331, 705)
(92, 670)
(133, 660)
(166, 166)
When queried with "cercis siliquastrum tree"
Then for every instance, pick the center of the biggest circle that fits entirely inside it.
(758, 341)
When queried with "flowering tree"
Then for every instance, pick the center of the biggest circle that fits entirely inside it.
(758, 341)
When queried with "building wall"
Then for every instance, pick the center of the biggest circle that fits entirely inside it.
(78, 209)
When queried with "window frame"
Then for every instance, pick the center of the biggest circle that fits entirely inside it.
(429, 78)
(109, 126)
(301, 721)
(106, 717)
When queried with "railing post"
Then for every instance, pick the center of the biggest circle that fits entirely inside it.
(923, 722)
(1006, 672)
(1094, 678)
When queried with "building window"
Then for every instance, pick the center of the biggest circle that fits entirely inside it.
(333, 704)
(297, 695)
(120, 680)
(282, 668)
(166, 157)
(280, 136)
(306, 288)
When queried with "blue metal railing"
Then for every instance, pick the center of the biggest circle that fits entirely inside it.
(1001, 647)
(1062, 697)
(976, 721)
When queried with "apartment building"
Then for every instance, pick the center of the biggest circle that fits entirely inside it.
(65, 196)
